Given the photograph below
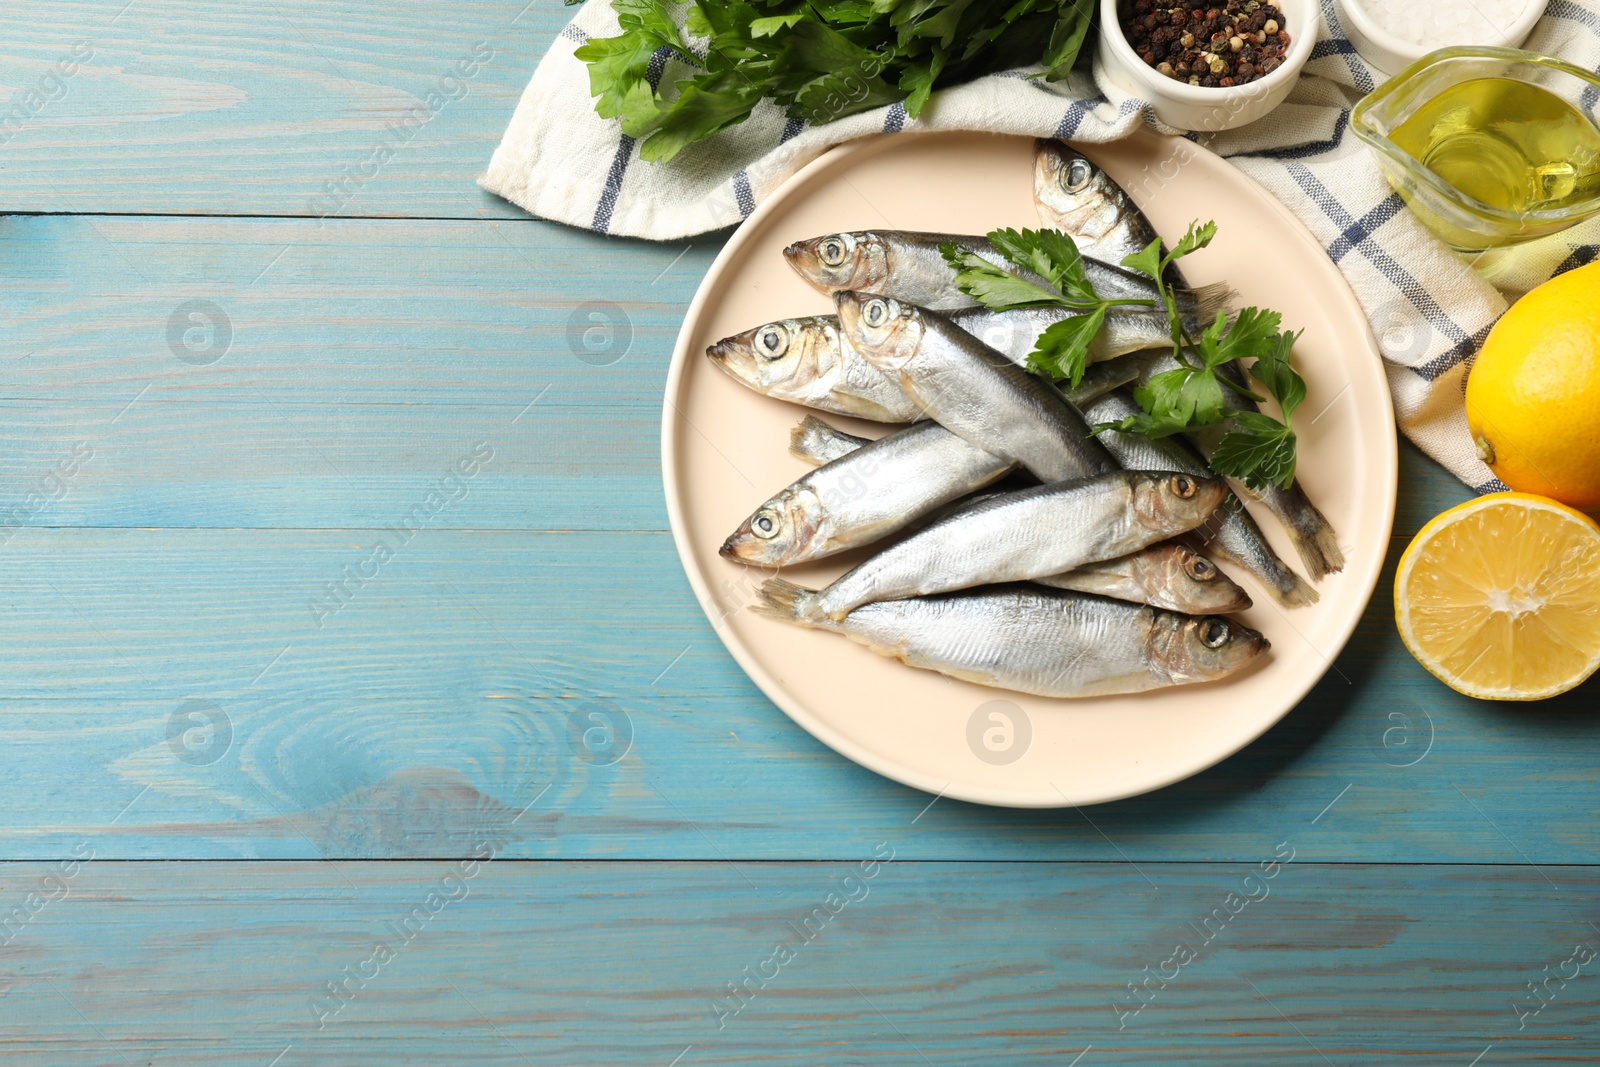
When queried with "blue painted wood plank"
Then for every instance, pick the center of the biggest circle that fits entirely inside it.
(894, 963)
(352, 108)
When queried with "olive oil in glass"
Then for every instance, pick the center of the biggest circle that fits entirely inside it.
(1510, 145)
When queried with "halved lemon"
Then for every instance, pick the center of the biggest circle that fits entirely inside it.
(1500, 597)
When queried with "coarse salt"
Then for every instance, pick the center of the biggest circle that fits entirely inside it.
(1440, 23)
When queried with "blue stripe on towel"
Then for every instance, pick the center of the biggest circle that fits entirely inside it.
(1077, 111)
(608, 195)
(1360, 73)
(1367, 225)
(619, 162)
(1581, 256)
(1462, 351)
(742, 194)
(1402, 280)
(895, 120)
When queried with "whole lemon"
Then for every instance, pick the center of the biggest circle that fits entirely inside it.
(1533, 396)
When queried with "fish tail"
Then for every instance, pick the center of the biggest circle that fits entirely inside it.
(1291, 590)
(1282, 583)
(814, 441)
(1313, 536)
(779, 599)
(1200, 306)
(1235, 537)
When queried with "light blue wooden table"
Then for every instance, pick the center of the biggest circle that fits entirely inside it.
(267, 801)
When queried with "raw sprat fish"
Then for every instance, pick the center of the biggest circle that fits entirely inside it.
(1075, 196)
(1030, 639)
(1165, 575)
(1231, 532)
(908, 266)
(805, 361)
(1015, 536)
(876, 490)
(971, 389)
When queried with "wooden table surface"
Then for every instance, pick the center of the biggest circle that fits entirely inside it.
(267, 801)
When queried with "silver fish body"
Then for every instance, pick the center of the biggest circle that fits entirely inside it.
(1034, 640)
(1044, 530)
(971, 389)
(1016, 333)
(876, 490)
(1230, 532)
(1164, 575)
(806, 361)
(909, 267)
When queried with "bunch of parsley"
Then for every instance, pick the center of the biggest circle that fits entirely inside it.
(818, 59)
(1257, 449)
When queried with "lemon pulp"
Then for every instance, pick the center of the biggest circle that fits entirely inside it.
(1500, 597)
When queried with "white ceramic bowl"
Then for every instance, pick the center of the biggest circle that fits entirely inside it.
(1194, 107)
(1392, 54)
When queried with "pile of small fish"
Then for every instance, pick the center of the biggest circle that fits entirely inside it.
(1073, 586)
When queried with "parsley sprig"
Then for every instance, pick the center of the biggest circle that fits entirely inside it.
(1256, 448)
(818, 60)
(1062, 351)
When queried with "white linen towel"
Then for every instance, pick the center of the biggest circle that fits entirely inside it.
(1429, 307)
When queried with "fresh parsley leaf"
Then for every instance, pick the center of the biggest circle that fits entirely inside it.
(1197, 237)
(995, 289)
(1147, 261)
(1050, 254)
(1272, 370)
(766, 27)
(1182, 398)
(620, 65)
(1062, 350)
(1252, 335)
(1261, 455)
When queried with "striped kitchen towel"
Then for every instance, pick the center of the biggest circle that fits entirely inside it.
(1429, 307)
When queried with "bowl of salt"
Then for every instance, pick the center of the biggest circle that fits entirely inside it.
(1393, 34)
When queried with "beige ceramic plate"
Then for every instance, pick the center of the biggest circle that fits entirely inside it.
(724, 451)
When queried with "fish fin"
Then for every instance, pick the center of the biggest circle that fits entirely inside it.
(817, 442)
(1313, 536)
(1205, 302)
(1293, 591)
(1280, 580)
(1101, 378)
(1317, 544)
(779, 599)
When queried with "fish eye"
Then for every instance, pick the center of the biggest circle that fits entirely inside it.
(1201, 569)
(772, 341)
(1076, 179)
(836, 249)
(875, 312)
(1182, 486)
(1214, 633)
(765, 524)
